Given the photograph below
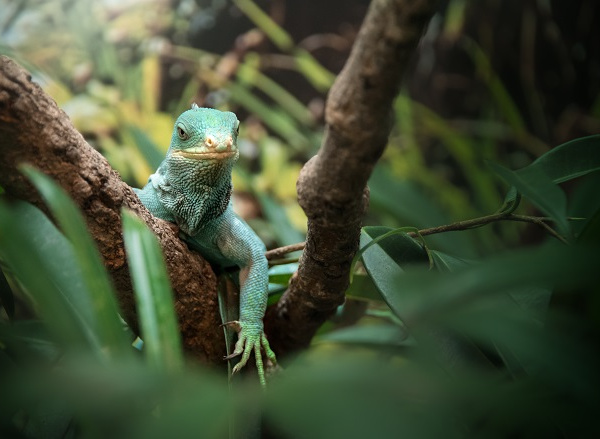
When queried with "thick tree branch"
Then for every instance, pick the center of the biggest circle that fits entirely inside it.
(34, 130)
(332, 185)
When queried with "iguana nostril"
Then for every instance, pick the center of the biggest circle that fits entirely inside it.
(210, 141)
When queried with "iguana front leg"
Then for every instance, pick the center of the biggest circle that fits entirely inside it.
(238, 243)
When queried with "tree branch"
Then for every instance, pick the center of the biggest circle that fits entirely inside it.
(34, 130)
(332, 185)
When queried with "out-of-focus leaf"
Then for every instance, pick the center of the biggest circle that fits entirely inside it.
(278, 121)
(285, 233)
(6, 296)
(584, 202)
(29, 340)
(46, 265)
(129, 398)
(412, 207)
(265, 23)
(534, 184)
(248, 72)
(281, 274)
(445, 262)
(436, 295)
(384, 259)
(363, 288)
(153, 155)
(98, 285)
(154, 297)
(320, 78)
(570, 160)
(380, 335)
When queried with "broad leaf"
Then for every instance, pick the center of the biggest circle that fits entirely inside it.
(47, 267)
(384, 259)
(95, 277)
(154, 297)
(534, 184)
(571, 159)
(380, 335)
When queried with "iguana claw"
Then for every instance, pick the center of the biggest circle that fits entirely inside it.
(251, 338)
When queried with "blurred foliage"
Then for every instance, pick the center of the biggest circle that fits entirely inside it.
(464, 334)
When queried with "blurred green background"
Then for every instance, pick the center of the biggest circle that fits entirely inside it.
(499, 340)
(123, 71)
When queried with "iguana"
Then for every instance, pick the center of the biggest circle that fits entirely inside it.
(192, 188)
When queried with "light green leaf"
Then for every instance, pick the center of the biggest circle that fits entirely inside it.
(149, 150)
(154, 297)
(281, 274)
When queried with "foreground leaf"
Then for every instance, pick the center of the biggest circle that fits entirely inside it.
(95, 277)
(154, 297)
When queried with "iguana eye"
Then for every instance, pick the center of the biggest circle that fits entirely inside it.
(181, 133)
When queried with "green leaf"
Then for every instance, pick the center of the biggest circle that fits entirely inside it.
(415, 209)
(571, 159)
(283, 229)
(445, 262)
(363, 288)
(430, 295)
(149, 150)
(154, 297)
(281, 274)
(7, 300)
(47, 267)
(383, 260)
(29, 340)
(378, 335)
(534, 184)
(94, 274)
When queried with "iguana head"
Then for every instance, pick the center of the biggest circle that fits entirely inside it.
(205, 134)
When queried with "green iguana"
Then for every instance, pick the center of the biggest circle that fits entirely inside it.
(192, 188)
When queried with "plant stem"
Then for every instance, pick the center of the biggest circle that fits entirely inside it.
(457, 226)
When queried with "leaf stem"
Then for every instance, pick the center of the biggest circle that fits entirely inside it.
(541, 221)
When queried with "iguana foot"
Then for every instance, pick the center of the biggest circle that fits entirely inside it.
(251, 338)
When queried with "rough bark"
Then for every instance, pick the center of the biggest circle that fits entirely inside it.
(332, 185)
(34, 130)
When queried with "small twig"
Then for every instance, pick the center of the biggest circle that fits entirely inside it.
(278, 253)
(454, 227)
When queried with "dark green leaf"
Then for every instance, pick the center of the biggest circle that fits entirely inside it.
(381, 335)
(94, 274)
(363, 288)
(154, 297)
(444, 262)
(534, 184)
(571, 159)
(7, 300)
(410, 206)
(383, 260)
(45, 264)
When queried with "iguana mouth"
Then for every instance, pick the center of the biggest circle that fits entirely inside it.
(205, 155)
